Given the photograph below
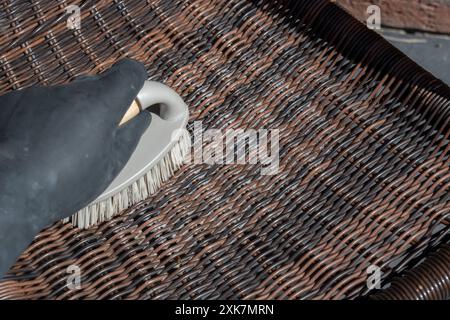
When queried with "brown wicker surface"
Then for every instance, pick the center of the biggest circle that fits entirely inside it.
(364, 170)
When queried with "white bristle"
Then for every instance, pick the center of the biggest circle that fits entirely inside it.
(147, 185)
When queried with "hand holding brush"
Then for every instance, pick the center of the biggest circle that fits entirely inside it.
(60, 147)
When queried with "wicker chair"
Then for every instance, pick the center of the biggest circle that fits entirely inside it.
(364, 155)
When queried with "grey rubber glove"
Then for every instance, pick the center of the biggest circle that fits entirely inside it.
(60, 148)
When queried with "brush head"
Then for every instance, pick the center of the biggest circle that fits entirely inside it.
(159, 153)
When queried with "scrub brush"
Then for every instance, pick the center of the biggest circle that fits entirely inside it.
(160, 152)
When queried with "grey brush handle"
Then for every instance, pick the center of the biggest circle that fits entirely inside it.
(152, 93)
(159, 138)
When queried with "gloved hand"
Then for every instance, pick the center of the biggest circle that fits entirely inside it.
(60, 148)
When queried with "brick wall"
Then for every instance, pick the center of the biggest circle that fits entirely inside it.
(425, 15)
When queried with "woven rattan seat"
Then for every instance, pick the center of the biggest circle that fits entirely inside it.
(364, 155)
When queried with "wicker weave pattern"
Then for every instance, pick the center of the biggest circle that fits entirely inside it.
(364, 169)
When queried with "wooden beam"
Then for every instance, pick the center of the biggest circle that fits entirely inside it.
(424, 15)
